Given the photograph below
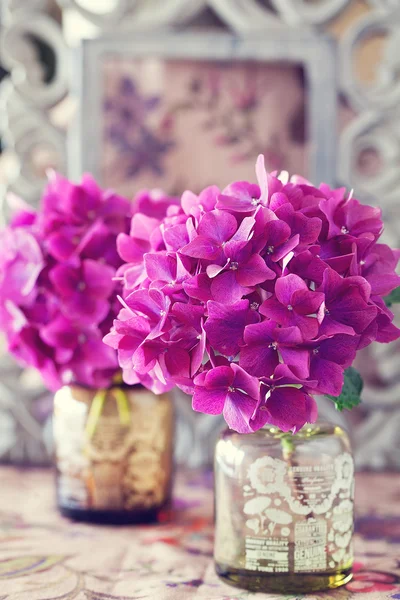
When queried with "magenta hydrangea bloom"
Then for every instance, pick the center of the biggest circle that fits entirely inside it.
(58, 285)
(253, 299)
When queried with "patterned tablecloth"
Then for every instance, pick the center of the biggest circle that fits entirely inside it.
(43, 556)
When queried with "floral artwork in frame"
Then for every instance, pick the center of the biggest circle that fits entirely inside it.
(181, 123)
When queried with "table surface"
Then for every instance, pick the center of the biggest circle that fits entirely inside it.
(43, 556)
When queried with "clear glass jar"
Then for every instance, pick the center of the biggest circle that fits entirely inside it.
(113, 453)
(284, 509)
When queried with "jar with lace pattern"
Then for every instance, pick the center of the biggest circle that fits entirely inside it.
(284, 509)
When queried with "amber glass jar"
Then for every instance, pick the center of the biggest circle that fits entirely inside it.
(284, 509)
(113, 454)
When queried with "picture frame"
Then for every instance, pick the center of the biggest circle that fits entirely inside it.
(314, 53)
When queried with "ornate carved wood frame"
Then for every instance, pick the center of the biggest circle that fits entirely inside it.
(28, 101)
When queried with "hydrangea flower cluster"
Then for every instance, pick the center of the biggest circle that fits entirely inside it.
(253, 299)
(57, 293)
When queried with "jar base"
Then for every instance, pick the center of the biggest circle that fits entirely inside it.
(116, 517)
(282, 583)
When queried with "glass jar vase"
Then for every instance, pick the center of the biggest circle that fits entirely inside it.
(113, 453)
(284, 509)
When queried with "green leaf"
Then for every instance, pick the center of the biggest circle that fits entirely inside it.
(351, 392)
(393, 297)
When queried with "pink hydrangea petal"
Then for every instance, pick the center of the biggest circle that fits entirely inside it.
(329, 376)
(254, 271)
(277, 232)
(219, 378)
(142, 227)
(279, 199)
(260, 333)
(206, 201)
(286, 286)
(307, 325)
(85, 308)
(352, 310)
(276, 311)
(238, 411)
(259, 359)
(290, 409)
(330, 327)
(285, 248)
(198, 287)
(340, 349)
(133, 276)
(153, 203)
(146, 355)
(387, 333)
(60, 333)
(245, 382)
(297, 359)
(214, 270)
(202, 247)
(160, 266)
(208, 401)
(225, 325)
(60, 244)
(288, 336)
(361, 218)
(306, 302)
(238, 197)
(340, 264)
(226, 288)
(177, 362)
(175, 237)
(130, 249)
(308, 266)
(308, 229)
(189, 314)
(284, 375)
(98, 278)
(218, 225)
(65, 279)
(197, 354)
(382, 286)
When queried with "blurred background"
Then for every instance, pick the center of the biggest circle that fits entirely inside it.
(187, 123)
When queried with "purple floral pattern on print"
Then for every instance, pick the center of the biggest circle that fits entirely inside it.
(212, 103)
(129, 132)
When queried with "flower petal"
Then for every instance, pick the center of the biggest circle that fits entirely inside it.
(210, 402)
(238, 411)
(225, 325)
(290, 408)
(286, 286)
(329, 376)
(254, 271)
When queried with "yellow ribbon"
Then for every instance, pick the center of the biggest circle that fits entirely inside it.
(96, 409)
(124, 409)
(95, 413)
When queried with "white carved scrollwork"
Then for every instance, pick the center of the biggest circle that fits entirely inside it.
(385, 91)
(26, 97)
(376, 133)
(239, 15)
(384, 5)
(103, 19)
(301, 12)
